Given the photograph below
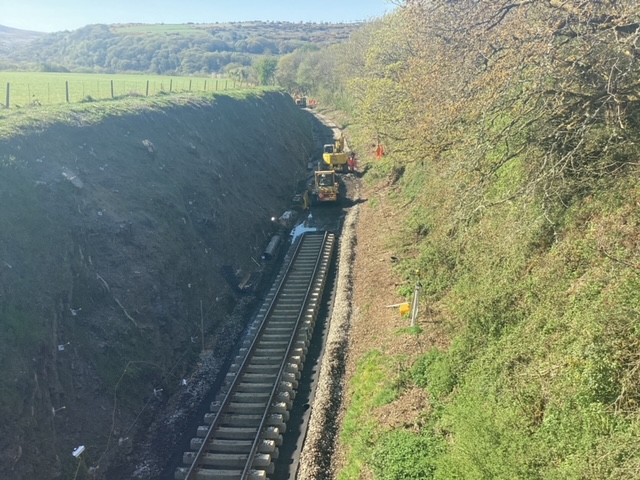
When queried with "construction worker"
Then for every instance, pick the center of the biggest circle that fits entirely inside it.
(352, 162)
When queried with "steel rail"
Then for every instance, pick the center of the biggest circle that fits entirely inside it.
(285, 285)
(219, 414)
(285, 358)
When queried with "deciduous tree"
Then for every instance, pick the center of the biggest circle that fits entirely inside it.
(265, 68)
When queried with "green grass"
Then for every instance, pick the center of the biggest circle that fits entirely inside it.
(374, 385)
(16, 120)
(44, 88)
(403, 454)
(388, 453)
(542, 352)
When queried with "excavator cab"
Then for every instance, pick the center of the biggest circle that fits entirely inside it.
(334, 156)
(326, 179)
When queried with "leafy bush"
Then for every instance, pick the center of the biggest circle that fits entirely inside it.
(433, 371)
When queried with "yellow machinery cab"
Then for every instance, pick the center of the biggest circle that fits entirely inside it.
(326, 188)
(334, 156)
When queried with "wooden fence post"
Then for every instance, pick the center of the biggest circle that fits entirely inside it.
(190, 84)
(216, 85)
(205, 85)
(170, 85)
(111, 88)
(226, 82)
(66, 87)
(147, 94)
(8, 101)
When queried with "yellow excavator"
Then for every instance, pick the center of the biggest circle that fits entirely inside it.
(326, 187)
(334, 156)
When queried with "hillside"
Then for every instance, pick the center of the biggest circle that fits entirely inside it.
(126, 227)
(171, 49)
(10, 38)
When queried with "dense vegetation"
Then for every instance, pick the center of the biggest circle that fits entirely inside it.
(199, 49)
(511, 130)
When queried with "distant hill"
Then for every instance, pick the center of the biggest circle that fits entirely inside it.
(10, 38)
(186, 49)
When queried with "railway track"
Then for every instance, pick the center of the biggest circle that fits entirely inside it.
(244, 429)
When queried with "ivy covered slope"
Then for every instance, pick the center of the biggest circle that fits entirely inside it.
(511, 137)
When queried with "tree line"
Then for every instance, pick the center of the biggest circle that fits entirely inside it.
(555, 83)
(208, 49)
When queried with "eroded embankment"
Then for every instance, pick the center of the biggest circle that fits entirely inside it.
(113, 239)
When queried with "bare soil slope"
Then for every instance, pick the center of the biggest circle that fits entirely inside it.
(113, 242)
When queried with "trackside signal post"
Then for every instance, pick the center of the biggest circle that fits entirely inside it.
(415, 304)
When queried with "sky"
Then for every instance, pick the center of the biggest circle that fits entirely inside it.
(58, 15)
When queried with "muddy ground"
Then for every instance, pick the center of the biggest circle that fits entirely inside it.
(122, 242)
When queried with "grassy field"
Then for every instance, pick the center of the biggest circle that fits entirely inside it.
(27, 88)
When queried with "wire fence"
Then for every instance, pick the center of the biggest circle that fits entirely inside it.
(20, 94)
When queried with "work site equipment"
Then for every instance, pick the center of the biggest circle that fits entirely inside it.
(326, 187)
(334, 155)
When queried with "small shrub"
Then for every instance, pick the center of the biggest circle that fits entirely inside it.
(600, 374)
(433, 371)
(401, 454)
